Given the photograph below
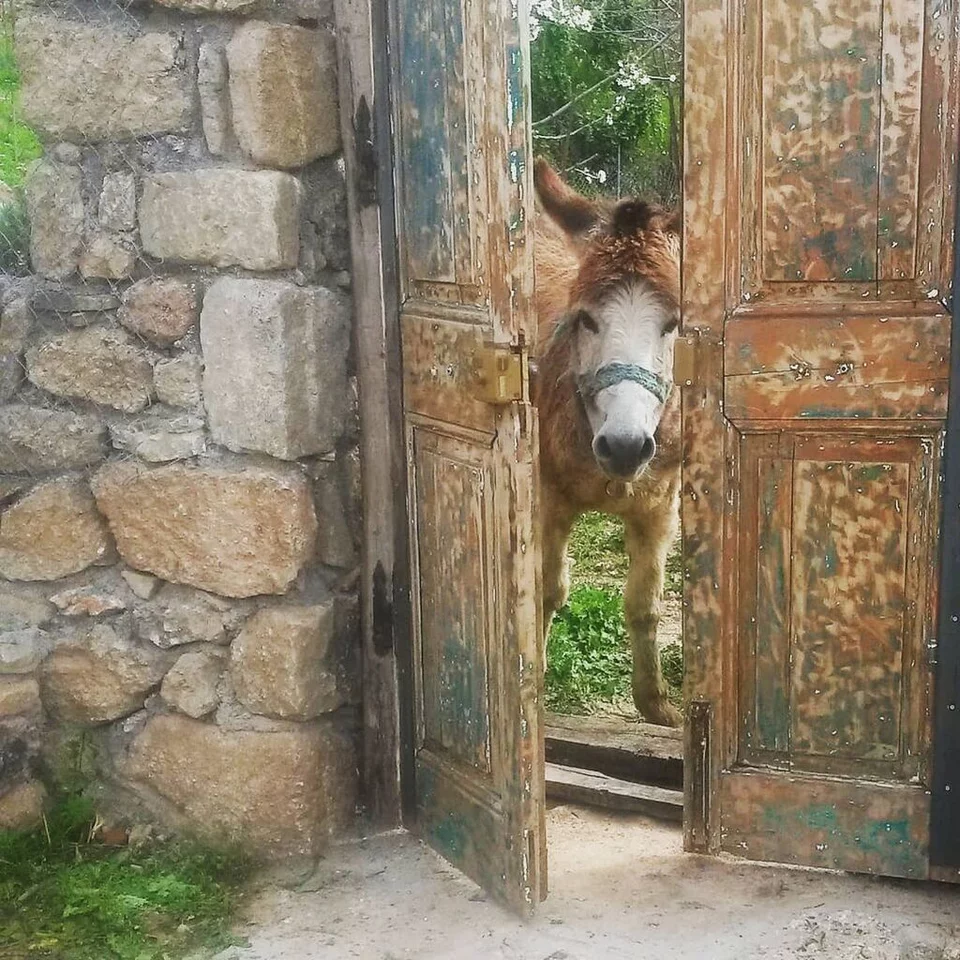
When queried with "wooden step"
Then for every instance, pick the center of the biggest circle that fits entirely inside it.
(598, 790)
(637, 752)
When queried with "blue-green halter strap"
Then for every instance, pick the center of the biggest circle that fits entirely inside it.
(613, 373)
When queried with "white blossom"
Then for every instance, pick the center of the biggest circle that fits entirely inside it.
(562, 12)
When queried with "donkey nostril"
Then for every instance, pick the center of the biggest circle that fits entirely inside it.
(624, 454)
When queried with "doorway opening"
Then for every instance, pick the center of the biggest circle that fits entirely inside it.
(606, 79)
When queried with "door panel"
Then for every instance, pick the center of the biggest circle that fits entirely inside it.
(816, 270)
(464, 202)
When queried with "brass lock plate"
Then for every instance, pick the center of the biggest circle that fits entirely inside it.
(685, 361)
(499, 374)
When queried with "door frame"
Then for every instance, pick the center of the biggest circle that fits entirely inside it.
(945, 649)
(387, 742)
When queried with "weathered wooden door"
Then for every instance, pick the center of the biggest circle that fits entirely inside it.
(464, 198)
(820, 147)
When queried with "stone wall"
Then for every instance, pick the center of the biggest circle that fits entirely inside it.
(178, 463)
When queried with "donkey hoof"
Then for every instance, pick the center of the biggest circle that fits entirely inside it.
(663, 714)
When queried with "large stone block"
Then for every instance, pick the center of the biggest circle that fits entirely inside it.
(280, 793)
(283, 90)
(275, 356)
(159, 309)
(236, 530)
(100, 675)
(222, 217)
(55, 210)
(98, 364)
(282, 662)
(35, 440)
(51, 532)
(93, 81)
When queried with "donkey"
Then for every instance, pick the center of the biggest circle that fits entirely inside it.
(608, 309)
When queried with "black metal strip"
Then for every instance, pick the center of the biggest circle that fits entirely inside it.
(698, 785)
(945, 787)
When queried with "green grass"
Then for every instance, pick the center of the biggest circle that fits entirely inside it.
(588, 652)
(19, 145)
(63, 896)
(588, 655)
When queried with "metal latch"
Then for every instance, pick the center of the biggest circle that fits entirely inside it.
(499, 373)
(685, 361)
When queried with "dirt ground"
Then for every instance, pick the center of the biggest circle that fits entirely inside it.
(621, 889)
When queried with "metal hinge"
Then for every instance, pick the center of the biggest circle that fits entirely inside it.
(685, 361)
(365, 158)
(499, 370)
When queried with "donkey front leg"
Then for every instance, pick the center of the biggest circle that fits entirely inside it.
(648, 547)
(556, 522)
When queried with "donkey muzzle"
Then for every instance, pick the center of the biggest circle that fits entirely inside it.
(623, 454)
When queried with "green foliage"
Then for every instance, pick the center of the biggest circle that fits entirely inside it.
(588, 653)
(19, 145)
(606, 80)
(63, 896)
(671, 663)
(588, 657)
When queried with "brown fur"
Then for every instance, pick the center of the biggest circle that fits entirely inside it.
(615, 244)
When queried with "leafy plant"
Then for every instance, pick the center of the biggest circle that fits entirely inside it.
(588, 657)
(64, 896)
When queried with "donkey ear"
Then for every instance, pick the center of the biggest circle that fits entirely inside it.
(575, 214)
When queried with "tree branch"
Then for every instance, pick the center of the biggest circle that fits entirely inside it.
(560, 111)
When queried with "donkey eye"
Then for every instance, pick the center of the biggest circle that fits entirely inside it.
(671, 325)
(583, 319)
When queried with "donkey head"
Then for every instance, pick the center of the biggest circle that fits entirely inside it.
(622, 320)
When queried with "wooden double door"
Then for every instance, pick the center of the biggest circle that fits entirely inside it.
(819, 169)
